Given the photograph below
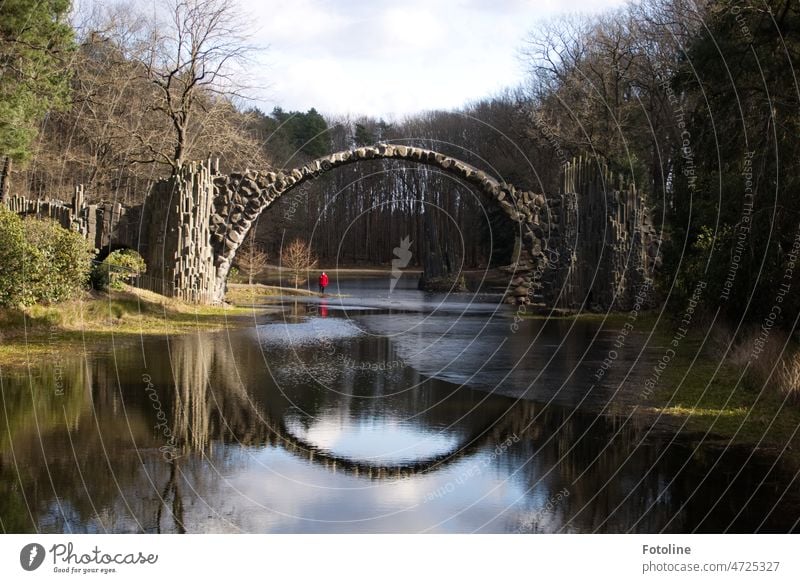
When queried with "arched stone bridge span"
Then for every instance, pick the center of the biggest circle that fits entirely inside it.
(241, 198)
(591, 245)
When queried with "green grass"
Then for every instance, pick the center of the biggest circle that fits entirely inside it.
(708, 399)
(34, 332)
(645, 320)
(94, 318)
(712, 399)
(244, 293)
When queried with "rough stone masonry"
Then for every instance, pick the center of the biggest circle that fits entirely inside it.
(590, 246)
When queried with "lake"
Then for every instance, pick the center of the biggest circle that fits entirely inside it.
(380, 411)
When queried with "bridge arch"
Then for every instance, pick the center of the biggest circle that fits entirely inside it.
(240, 198)
(192, 223)
(106, 250)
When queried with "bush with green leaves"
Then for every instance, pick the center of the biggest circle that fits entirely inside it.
(40, 262)
(234, 276)
(12, 255)
(120, 266)
(60, 260)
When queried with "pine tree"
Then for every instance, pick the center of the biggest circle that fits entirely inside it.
(35, 44)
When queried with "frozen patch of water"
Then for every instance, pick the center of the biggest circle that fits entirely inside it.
(309, 332)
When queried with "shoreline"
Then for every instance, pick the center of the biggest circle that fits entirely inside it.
(699, 393)
(695, 395)
(93, 318)
(710, 401)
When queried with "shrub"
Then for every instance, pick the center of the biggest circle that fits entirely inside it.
(789, 377)
(776, 365)
(120, 266)
(40, 261)
(298, 259)
(234, 276)
(59, 260)
(12, 255)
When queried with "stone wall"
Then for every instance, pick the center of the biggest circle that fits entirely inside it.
(605, 245)
(103, 225)
(171, 230)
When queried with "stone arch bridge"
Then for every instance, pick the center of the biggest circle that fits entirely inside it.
(591, 244)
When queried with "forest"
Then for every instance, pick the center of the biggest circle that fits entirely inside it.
(695, 101)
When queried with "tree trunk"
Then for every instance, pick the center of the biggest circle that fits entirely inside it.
(180, 143)
(5, 180)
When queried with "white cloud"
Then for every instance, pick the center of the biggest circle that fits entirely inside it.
(381, 58)
(384, 58)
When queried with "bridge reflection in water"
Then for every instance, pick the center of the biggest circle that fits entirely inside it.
(282, 440)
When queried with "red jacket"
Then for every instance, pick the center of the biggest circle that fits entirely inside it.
(323, 280)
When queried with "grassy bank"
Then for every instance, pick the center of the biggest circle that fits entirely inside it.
(704, 390)
(611, 321)
(94, 318)
(244, 294)
(712, 394)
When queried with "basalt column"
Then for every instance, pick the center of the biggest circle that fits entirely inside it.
(178, 253)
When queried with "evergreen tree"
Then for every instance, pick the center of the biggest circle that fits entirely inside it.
(362, 136)
(35, 44)
(302, 132)
(736, 179)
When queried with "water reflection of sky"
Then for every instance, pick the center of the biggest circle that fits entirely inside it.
(284, 496)
(376, 440)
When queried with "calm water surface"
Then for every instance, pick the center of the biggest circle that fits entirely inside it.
(375, 412)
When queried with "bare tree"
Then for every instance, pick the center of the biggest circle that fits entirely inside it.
(251, 259)
(189, 58)
(298, 259)
(118, 118)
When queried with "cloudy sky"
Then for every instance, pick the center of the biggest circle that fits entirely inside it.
(394, 57)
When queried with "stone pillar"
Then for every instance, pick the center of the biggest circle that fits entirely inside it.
(179, 257)
(77, 199)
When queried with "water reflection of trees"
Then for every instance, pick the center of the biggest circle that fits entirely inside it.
(91, 459)
(55, 442)
(216, 402)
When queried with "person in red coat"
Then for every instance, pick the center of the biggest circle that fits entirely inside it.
(323, 282)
